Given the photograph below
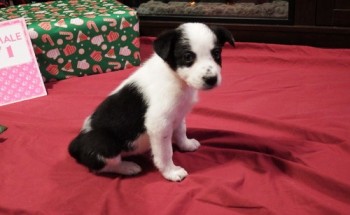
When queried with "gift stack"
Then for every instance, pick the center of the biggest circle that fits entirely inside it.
(80, 37)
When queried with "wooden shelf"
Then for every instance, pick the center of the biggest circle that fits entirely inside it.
(314, 23)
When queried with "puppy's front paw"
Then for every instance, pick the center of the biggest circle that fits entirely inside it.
(175, 173)
(189, 145)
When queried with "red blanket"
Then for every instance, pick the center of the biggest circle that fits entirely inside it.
(275, 140)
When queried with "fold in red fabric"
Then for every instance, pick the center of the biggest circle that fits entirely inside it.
(275, 140)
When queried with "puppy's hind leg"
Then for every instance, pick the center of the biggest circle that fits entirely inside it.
(100, 152)
(117, 165)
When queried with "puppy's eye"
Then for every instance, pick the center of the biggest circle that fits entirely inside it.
(216, 53)
(189, 57)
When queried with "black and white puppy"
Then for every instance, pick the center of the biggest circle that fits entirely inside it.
(147, 111)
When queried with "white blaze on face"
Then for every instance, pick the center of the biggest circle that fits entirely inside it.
(202, 41)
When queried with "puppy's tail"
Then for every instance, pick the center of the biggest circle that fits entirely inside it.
(74, 148)
(91, 147)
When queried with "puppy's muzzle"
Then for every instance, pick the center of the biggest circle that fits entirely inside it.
(210, 81)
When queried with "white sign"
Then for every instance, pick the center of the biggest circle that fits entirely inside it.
(20, 77)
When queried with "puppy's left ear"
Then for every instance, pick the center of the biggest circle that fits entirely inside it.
(223, 35)
(164, 43)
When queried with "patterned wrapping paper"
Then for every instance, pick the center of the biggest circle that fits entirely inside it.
(80, 37)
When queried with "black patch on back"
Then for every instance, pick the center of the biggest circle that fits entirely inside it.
(122, 114)
(117, 122)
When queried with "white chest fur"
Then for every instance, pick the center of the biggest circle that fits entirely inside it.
(169, 99)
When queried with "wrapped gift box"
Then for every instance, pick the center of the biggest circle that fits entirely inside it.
(80, 37)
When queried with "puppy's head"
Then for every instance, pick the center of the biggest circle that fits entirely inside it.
(193, 51)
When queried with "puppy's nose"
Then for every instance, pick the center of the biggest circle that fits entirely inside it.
(210, 80)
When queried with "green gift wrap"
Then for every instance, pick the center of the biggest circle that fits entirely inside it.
(80, 37)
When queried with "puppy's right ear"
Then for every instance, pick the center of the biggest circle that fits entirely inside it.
(223, 35)
(164, 43)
